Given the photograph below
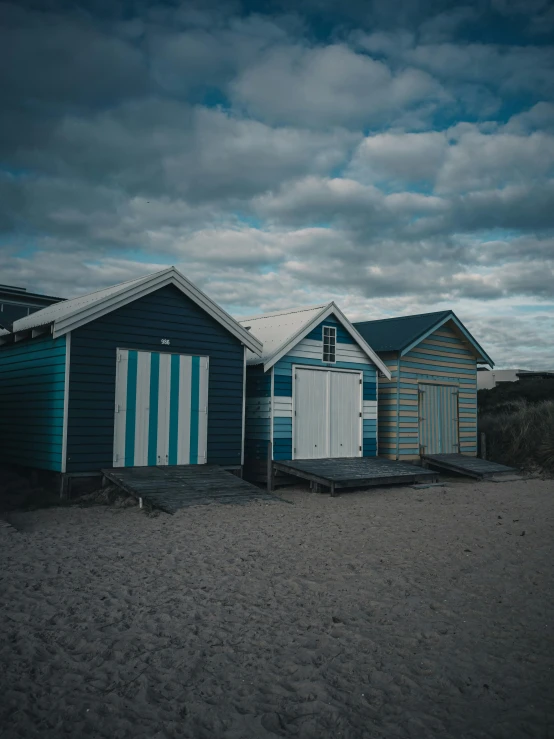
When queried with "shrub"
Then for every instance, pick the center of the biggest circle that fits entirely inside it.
(533, 391)
(520, 433)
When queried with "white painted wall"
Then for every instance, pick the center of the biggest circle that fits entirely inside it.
(486, 380)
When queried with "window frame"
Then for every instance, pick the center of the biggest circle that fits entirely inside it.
(329, 344)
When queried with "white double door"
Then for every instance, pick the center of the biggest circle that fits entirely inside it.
(327, 414)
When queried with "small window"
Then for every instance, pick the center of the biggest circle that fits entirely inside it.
(329, 343)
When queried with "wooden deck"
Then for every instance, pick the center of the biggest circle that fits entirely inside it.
(355, 472)
(470, 466)
(178, 486)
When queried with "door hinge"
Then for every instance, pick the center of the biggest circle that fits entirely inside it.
(361, 382)
(360, 449)
(117, 407)
(360, 414)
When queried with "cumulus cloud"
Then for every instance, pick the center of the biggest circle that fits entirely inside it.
(366, 158)
(330, 85)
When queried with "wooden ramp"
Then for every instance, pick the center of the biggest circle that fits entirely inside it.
(178, 486)
(354, 472)
(470, 466)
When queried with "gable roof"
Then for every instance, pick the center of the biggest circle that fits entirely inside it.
(70, 314)
(403, 333)
(281, 331)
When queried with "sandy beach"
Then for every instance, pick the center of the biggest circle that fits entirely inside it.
(390, 613)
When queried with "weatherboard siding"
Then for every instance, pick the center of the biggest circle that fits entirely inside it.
(163, 314)
(444, 358)
(387, 407)
(269, 413)
(257, 426)
(32, 382)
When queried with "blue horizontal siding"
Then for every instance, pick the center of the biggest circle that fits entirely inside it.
(343, 337)
(282, 386)
(282, 366)
(370, 391)
(282, 449)
(447, 349)
(282, 431)
(258, 382)
(438, 357)
(431, 374)
(438, 368)
(369, 448)
(369, 430)
(257, 428)
(32, 379)
(168, 314)
(255, 449)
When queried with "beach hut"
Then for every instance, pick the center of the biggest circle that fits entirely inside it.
(429, 405)
(312, 394)
(147, 372)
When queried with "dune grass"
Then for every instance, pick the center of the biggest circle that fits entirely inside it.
(520, 433)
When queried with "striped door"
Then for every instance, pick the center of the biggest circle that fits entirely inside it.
(161, 409)
(438, 419)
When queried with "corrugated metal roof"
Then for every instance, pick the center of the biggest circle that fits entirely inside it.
(395, 334)
(57, 311)
(276, 329)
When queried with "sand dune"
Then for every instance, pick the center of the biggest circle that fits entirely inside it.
(392, 613)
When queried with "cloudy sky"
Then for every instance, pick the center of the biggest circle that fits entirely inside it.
(397, 157)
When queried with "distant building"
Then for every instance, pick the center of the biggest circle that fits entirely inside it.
(487, 379)
(535, 375)
(16, 302)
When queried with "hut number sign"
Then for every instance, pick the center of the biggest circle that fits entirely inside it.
(166, 342)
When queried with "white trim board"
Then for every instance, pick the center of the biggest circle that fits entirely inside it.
(66, 400)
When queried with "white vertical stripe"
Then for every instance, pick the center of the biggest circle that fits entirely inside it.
(271, 409)
(163, 409)
(183, 438)
(120, 415)
(66, 400)
(243, 406)
(143, 409)
(203, 416)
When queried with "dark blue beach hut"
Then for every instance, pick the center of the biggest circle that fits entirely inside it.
(147, 372)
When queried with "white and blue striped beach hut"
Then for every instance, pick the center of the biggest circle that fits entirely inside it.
(312, 394)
